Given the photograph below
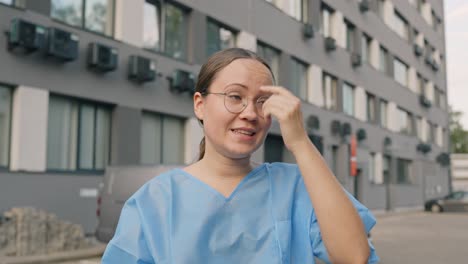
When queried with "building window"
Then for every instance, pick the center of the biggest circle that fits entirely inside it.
(78, 135)
(171, 26)
(383, 60)
(436, 96)
(400, 72)
(299, 78)
(274, 148)
(7, 2)
(430, 132)
(271, 56)
(162, 139)
(365, 48)
(5, 121)
(383, 113)
(419, 127)
(175, 30)
(326, 25)
(218, 37)
(371, 108)
(404, 122)
(348, 99)
(442, 100)
(295, 8)
(421, 83)
(350, 36)
(386, 169)
(400, 26)
(374, 177)
(329, 90)
(94, 15)
(381, 8)
(404, 172)
(334, 161)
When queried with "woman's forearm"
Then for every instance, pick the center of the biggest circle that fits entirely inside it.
(341, 227)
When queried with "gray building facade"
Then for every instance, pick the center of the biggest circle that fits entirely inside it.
(374, 70)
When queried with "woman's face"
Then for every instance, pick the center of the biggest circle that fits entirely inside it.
(235, 135)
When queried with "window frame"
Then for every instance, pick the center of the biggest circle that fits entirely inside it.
(10, 89)
(161, 47)
(219, 26)
(353, 98)
(333, 91)
(298, 64)
(162, 117)
(83, 26)
(96, 105)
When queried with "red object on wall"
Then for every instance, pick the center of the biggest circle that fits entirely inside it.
(353, 158)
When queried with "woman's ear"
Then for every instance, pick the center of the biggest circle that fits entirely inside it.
(198, 104)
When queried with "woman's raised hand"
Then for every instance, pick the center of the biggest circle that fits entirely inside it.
(286, 107)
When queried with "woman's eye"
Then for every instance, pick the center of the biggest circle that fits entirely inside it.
(235, 97)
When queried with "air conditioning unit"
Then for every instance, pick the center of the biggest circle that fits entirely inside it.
(346, 129)
(330, 44)
(428, 59)
(418, 50)
(364, 6)
(335, 127)
(183, 81)
(62, 44)
(424, 148)
(141, 69)
(308, 31)
(424, 101)
(361, 134)
(313, 122)
(27, 35)
(356, 59)
(102, 58)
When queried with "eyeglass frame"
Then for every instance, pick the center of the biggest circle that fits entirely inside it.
(244, 104)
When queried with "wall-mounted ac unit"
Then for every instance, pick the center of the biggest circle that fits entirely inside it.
(335, 127)
(356, 59)
(424, 148)
(102, 58)
(364, 5)
(141, 69)
(418, 50)
(62, 44)
(307, 30)
(182, 81)
(27, 35)
(424, 101)
(361, 134)
(346, 129)
(435, 65)
(428, 59)
(313, 122)
(330, 44)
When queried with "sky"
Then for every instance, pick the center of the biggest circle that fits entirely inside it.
(456, 37)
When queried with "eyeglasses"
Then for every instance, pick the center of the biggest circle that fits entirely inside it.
(236, 102)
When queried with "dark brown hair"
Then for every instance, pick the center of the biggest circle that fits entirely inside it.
(215, 64)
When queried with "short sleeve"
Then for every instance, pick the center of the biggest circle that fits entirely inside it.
(318, 246)
(128, 244)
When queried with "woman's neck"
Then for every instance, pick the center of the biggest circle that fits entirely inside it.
(217, 164)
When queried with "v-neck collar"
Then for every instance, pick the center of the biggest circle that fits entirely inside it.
(216, 192)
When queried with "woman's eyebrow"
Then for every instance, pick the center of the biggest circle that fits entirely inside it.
(236, 84)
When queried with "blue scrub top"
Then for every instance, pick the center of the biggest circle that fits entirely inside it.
(176, 218)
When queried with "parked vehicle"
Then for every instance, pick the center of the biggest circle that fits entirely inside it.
(454, 202)
(119, 183)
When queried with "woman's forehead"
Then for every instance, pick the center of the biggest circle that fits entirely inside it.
(247, 72)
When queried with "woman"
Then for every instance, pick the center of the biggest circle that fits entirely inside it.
(226, 209)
